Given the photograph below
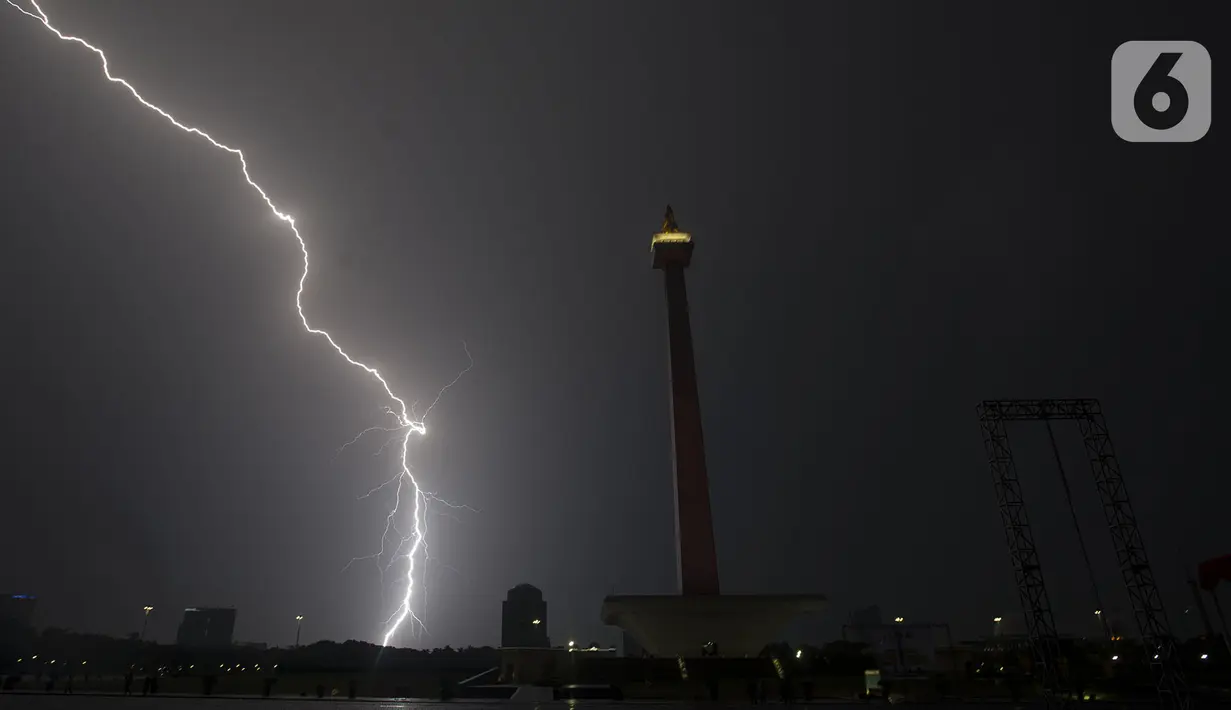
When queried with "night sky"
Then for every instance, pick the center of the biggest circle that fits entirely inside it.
(900, 209)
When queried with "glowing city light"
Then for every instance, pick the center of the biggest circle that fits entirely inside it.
(898, 619)
(667, 237)
(996, 620)
(536, 622)
(778, 668)
(412, 541)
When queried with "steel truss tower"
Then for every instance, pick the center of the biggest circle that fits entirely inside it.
(1130, 550)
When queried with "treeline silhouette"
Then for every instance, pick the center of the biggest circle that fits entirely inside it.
(61, 651)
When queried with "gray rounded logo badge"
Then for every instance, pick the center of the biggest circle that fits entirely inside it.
(1161, 92)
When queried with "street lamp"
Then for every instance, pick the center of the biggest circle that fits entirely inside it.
(536, 622)
(1107, 630)
(898, 619)
(145, 621)
(298, 628)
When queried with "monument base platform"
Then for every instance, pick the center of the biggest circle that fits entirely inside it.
(738, 625)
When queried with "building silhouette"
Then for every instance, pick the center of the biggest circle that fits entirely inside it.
(17, 610)
(524, 618)
(206, 628)
(16, 621)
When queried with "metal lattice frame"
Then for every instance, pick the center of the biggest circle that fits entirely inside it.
(1040, 624)
(1130, 550)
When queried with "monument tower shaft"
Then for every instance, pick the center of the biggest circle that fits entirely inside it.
(697, 557)
(699, 621)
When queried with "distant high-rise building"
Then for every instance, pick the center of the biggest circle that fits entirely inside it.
(524, 618)
(206, 628)
(17, 610)
(16, 619)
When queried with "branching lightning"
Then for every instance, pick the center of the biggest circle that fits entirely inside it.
(406, 422)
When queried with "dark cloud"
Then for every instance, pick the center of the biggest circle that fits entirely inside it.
(900, 210)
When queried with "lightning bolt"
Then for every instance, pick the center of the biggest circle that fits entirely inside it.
(406, 422)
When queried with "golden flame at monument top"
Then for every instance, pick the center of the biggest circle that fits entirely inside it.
(670, 231)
